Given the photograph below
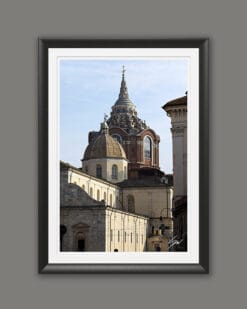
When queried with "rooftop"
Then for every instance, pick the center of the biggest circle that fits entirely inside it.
(176, 102)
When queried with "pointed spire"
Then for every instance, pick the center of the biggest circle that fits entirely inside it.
(123, 98)
(123, 90)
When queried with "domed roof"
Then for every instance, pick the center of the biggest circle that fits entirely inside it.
(104, 146)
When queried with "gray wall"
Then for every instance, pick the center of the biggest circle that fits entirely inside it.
(21, 22)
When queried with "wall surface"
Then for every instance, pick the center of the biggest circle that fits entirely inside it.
(107, 192)
(21, 22)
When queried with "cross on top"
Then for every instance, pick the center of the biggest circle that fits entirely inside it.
(123, 71)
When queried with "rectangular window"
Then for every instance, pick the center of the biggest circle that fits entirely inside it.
(98, 171)
(114, 171)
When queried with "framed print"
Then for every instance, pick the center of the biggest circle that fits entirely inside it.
(123, 156)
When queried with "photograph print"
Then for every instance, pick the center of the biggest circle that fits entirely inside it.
(123, 156)
(118, 179)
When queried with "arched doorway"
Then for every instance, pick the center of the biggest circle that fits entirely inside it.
(80, 237)
(80, 242)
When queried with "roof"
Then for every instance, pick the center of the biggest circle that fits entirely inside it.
(73, 195)
(176, 102)
(104, 146)
(65, 165)
(151, 182)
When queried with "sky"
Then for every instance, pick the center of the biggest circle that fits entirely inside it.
(89, 88)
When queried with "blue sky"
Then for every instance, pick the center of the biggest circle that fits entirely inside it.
(89, 88)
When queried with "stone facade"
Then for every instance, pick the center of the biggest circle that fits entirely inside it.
(97, 189)
(90, 224)
(177, 111)
(85, 228)
(100, 228)
(107, 169)
(125, 232)
(126, 215)
(154, 202)
(119, 200)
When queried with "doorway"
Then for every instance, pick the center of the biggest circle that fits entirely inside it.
(81, 244)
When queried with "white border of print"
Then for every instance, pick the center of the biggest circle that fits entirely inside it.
(54, 254)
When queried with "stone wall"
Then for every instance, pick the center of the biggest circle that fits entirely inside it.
(125, 232)
(103, 229)
(106, 165)
(85, 224)
(98, 189)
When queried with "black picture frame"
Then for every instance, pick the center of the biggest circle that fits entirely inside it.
(43, 46)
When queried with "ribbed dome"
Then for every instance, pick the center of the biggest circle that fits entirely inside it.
(104, 146)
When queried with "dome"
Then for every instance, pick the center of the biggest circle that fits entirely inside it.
(104, 146)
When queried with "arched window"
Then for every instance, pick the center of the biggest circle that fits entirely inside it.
(131, 203)
(83, 187)
(105, 197)
(147, 147)
(91, 192)
(114, 172)
(98, 171)
(110, 199)
(98, 195)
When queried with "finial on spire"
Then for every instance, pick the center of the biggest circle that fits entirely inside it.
(123, 71)
(105, 117)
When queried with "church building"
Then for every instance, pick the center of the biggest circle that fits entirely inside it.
(119, 199)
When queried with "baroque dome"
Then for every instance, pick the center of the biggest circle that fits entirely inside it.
(124, 114)
(104, 146)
